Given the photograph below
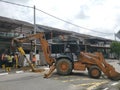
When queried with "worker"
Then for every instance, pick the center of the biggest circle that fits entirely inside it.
(9, 63)
(3, 61)
(15, 60)
(68, 51)
(34, 60)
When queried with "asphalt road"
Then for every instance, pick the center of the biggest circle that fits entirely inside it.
(31, 81)
(76, 81)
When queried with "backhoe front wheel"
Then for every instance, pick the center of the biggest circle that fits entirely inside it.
(94, 72)
(64, 66)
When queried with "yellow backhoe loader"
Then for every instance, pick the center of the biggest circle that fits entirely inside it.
(64, 64)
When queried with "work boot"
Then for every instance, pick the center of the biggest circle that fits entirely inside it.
(6, 69)
(9, 69)
(16, 66)
(3, 66)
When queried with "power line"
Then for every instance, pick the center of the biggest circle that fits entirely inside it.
(71, 23)
(56, 17)
(16, 4)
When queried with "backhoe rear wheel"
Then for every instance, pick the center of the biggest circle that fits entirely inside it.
(64, 66)
(94, 72)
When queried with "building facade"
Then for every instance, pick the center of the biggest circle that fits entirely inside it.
(10, 28)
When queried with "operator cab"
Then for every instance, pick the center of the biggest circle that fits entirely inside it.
(72, 49)
(69, 49)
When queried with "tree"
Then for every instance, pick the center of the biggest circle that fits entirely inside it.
(115, 48)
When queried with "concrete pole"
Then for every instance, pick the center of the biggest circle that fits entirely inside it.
(115, 36)
(35, 27)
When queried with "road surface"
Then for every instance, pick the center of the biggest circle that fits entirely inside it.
(76, 81)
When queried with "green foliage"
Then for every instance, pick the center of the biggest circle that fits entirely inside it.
(115, 48)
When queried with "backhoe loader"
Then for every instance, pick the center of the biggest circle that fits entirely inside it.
(64, 63)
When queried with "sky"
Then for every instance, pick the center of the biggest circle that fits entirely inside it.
(98, 17)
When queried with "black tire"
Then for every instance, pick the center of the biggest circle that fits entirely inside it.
(94, 72)
(64, 66)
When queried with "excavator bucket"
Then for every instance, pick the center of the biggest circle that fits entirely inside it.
(44, 44)
(32, 67)
(30, 64)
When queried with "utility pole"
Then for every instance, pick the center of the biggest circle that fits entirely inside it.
(35, 28)
(115, 36)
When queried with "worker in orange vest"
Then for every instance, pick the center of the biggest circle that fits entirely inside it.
(34, 60)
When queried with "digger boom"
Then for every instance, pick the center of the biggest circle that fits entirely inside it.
(43, 42)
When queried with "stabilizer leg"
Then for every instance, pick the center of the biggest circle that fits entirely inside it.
(52, 68)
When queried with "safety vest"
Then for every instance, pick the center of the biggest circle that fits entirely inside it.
(34, 59)
(9, 58)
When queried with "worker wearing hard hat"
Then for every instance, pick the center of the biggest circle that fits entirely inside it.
(9, 63)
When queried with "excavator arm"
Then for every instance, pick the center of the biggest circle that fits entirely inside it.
(43, 42)
(44, 45)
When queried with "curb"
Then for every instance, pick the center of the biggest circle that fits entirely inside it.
(20, 71)
(3, 74)
(6, 73)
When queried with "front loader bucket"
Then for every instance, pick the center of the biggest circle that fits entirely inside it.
(112, 73)
(116, 77)
(98, 60)
(107, 69)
